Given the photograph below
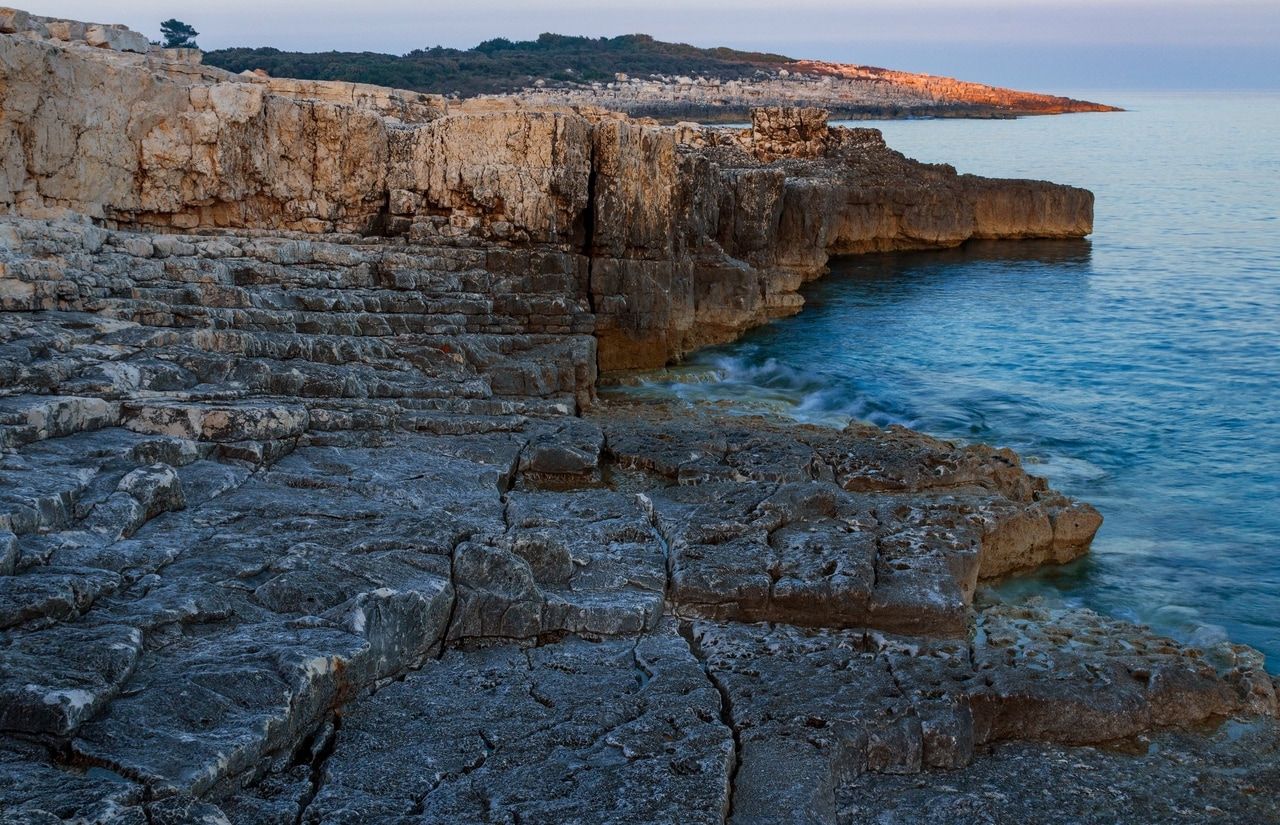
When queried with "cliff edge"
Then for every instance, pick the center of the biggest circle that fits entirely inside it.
(309, 512)
(691, 233)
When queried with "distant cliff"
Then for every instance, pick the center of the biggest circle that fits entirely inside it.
(641, 76)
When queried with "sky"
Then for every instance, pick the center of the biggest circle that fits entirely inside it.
(1045, 45)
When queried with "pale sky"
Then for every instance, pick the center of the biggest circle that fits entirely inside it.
(1048, 45)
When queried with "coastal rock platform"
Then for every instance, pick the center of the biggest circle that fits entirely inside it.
(309, 511)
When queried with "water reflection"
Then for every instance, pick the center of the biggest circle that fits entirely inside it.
(1064, 252)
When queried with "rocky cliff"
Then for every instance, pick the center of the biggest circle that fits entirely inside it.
(692, 234)
(309, 512)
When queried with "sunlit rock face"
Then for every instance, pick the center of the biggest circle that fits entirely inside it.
(309, 511)
(693, 234)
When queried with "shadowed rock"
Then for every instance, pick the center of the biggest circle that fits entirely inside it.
(642, 743)
(833, 706)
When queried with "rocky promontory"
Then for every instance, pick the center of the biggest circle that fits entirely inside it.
(309, 511)
(848, 91)
(644, 77)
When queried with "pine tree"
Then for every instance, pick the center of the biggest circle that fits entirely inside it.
(178, 35)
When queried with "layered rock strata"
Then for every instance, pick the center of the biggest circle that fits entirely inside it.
(309, 512)
(686, 236)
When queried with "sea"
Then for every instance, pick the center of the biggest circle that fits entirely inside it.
(1138, 370)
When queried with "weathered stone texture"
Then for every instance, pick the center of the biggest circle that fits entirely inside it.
(1170, 777)
(692, 235)
(814, 711)
(642, 744)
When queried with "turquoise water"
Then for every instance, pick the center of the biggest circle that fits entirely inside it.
(1137, 370)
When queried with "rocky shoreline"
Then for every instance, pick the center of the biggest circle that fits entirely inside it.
(310, 512)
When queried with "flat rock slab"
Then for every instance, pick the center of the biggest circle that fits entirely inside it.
(203, 709)
(815, 555)
(51, 484)
(46, 691)
(233, 626)
(617, 731)
(224, 628)
(692, 445)
(1021, 523)
(583, 563)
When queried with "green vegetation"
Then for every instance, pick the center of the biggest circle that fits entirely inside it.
(178, 35)
(502, 65)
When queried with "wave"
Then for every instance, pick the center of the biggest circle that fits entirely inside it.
(755, 384)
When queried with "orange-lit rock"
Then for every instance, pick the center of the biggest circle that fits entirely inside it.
(848, 91)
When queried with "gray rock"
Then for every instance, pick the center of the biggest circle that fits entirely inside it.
(835, 706)
(35, 792)
(620, 731)
(566, 457)
(209, 707)
(1169, 777)
(59, 677)
(589, 563)
(812, 554)
(205, 422)
(8, 552)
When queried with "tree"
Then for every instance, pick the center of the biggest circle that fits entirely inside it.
(178, 35)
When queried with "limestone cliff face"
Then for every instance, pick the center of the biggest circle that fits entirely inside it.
(759, 211)
(692, 234)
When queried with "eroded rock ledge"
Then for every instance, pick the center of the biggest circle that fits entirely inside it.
(309, 513)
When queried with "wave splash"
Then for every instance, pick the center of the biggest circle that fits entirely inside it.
(755, 384)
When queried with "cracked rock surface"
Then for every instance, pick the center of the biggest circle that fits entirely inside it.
(310, 513)
(643, 743)
(408, 626)
(1227, 776)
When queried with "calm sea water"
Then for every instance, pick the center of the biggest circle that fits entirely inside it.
(1138, 370)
